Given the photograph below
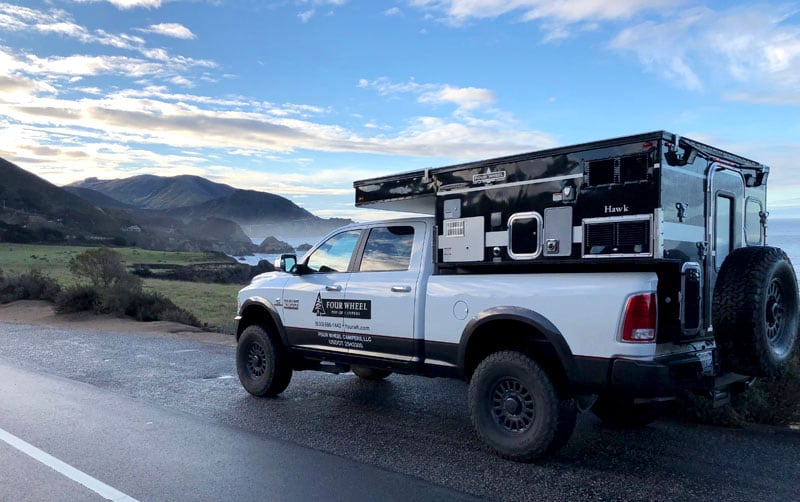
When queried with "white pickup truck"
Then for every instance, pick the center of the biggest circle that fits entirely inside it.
(545, 310)
(365, 299)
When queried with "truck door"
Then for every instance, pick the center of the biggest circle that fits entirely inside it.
(725, 221)
(312, 302)
(380, 302)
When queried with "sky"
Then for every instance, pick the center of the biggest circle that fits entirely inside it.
(302, 97)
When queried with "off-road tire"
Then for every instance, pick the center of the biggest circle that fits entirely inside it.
(372, 374)
(515, 408)
(623, 413)
(262, 363)
(754, 311)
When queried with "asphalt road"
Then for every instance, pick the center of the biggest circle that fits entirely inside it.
(411, 427)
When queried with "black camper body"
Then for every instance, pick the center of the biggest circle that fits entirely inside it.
(650, 201)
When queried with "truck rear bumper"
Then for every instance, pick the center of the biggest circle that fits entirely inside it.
(643, 379)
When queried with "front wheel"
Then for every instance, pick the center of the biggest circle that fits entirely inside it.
(515, 408)
(262, 363)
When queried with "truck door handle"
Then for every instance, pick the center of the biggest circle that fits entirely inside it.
(401, 289)
(333, 288)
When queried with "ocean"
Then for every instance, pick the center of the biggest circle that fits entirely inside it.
(785, 234)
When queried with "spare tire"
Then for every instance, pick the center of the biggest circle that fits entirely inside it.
(754, 311)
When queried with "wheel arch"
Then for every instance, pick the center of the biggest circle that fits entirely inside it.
(261, 312)
(527, 331)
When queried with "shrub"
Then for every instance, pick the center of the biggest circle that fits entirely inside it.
(103, 267)
(142, 306)
(182, 316)
(116, 291)
(77, 299)
(220, 273)
(117, 300)
(32, 285)
(772, 401)
(152, 306)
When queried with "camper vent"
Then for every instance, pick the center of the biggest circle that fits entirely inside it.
(454, 228)
(630, 169)
(622, 237)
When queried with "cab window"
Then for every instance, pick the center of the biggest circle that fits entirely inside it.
(334, 254)
(388, 249)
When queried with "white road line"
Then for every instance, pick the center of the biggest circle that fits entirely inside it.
(67, 470)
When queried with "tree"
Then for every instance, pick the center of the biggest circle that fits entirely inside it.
(103, 267)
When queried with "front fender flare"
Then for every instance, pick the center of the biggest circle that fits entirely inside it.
(262, 304)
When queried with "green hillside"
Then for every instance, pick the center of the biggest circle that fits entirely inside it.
(29, 203)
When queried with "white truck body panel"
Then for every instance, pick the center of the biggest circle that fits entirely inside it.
(586, 308)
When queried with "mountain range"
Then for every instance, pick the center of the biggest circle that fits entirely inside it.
(35, 210)
(261, 214)
(155, 212)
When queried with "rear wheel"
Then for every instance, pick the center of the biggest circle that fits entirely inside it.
(515, 408)
(262, 363)
(755, 307)
(370, 373)
(624, 413)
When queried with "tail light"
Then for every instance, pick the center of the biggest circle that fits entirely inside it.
(640, 317)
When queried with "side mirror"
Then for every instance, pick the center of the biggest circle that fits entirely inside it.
(286, 262)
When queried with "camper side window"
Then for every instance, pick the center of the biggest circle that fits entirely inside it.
(524, 236)
(753, 231)
(723, 229)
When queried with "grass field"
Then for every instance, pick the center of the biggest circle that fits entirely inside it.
(213, 304)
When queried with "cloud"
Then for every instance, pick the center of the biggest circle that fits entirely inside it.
(465, 98)
(174, 30)
(394, 11)
(187, 125)
(306, 15)
(750, 50)
(19, 89)
(59, 22)
(158, 67)
(555, 16)
(755, 48)
(127, 4)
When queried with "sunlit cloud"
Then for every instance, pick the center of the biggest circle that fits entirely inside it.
(466, 98)
(174, 30)
(127, 4)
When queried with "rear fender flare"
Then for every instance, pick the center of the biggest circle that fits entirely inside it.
(535, 320)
